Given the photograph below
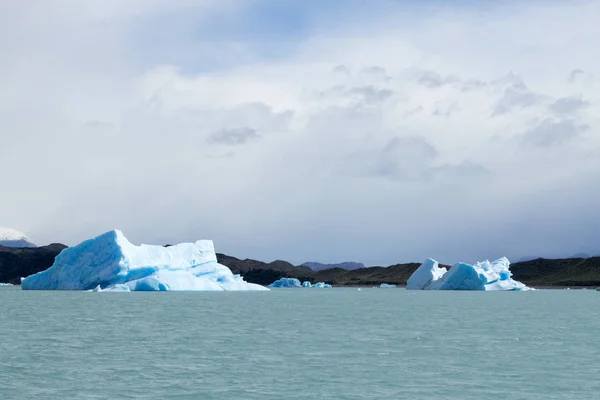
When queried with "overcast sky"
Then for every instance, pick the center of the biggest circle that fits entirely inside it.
(373, 131)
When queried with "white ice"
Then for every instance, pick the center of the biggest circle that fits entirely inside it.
(387, 286)
(427, 276)
(484, 275)
(110, 262)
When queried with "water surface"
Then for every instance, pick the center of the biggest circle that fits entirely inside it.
(300, 344)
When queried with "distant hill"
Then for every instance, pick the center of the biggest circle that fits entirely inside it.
(16, 263)
(260, 272)
(560, 272)
(315, 266)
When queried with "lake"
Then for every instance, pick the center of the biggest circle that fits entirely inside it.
(300, 344)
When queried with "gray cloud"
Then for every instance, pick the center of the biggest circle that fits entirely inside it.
(508, 80)
(341, 69)
(568, 105)
(412, 159)
(575, 75)
(466, 170)
(472, 84)
(367, 94)
(376, 72)
(371, 95)
(399, 159)
(432, 79)
(445, 110)
(96, 124)
(517, 95)
(551, 132)
(234, 136)
(414, 111)
(404, 158)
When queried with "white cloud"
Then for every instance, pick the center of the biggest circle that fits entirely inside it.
(340, 149)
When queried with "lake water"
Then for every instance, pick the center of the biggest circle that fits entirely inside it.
(300, 344)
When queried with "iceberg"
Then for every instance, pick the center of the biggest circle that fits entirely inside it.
(295, 283)
(483, 275)
(5, 284)
(387, 286)
(109, 262)
(286, 283)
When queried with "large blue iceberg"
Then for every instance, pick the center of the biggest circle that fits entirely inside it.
(484, 275)
(110, 262)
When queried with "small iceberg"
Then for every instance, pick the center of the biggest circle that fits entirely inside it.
(484, 275)
(295, 283)
(110, 263)
(387, 286)
(286, 283)
(6, 284)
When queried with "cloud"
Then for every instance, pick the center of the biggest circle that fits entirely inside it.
(517, 95)
(368, 95)
(376, 72)
(473, 84)
(433, 80)
(463, 171)
(341, 69)
(551, 132)
(404, 158)
(371, 95)
(568, 105)
(445, 110)
(575, 75)
(234, 136)
(135, 111)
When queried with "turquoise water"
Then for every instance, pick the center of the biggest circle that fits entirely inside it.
(300, 344)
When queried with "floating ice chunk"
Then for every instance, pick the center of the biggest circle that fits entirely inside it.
(322, 285)
(117, 288)
(427, 277)
(110, 262)
(306, 284)
(286, 283)
(387, 286)
(5, 284)
(484, 275)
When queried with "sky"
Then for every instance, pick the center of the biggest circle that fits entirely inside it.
(379, 131)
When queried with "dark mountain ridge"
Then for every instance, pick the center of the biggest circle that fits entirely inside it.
(317, 266)
(18, 262)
